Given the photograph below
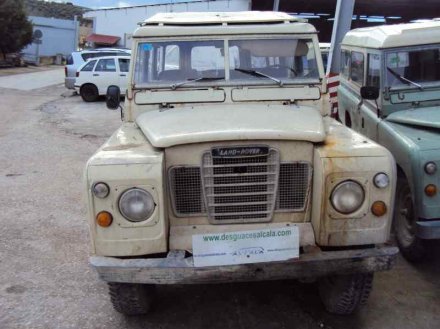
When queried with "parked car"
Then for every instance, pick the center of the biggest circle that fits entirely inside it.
(96, 75)
(226, 167)
(390, 91)
(77, 58)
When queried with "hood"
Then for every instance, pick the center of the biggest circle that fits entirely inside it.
(177, 126)
(428, 117)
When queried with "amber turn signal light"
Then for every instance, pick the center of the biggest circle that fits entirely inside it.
(104, 219)
(430, 190)
(379, 208)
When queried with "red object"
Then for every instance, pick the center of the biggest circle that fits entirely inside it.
(102, 39)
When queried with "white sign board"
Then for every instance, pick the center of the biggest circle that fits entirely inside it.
(244, 247)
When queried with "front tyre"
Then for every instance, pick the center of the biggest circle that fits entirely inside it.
(89, 93)
(131, 298)
(411, 247)
(344, 294)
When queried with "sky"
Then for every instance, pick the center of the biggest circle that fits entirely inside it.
(115, 3)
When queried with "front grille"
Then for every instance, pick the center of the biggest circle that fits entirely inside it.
(186, 196)
(240, 189)
(293, 186)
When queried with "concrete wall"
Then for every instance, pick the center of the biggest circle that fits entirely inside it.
(122, 22)
(60, 36)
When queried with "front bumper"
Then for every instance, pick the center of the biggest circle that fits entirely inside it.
(428, 229)
(176, 269)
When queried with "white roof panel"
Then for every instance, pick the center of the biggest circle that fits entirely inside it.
(200, 18)
(391, 36)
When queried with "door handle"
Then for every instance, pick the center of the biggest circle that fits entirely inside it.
(122, 75)
(96, 75)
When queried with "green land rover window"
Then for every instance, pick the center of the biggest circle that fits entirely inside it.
(373, 74)
(357, 67)
(345, 63)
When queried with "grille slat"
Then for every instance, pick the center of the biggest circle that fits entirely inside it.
(240, 189)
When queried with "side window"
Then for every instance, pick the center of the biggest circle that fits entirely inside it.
(373, 74)
(89, 66)
(106, 65)
(345, 63)
(124, 64)
(357, 67)
(86, 56)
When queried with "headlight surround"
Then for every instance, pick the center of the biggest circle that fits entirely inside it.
(381, 180)
(430, 168)
(347, 197)
(136, 205)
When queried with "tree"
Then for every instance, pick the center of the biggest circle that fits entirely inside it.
(15, 29)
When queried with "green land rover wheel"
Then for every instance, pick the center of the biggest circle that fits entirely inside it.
(411, 247)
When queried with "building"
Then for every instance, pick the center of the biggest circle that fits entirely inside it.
(57, 37)
(114, 26)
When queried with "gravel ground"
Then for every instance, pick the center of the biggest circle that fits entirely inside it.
(45, 280)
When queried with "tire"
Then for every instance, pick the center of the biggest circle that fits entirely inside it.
(130, 298)
(344, 294)
(89, 93)
(411, 247)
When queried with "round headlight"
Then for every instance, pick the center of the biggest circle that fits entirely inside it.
(136, 205)
(381, 180)
(347, 197)
(100, 190)
(430, 168)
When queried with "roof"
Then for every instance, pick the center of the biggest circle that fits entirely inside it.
(391, 36)
(201, 18)
(215, 23)
(102, 39)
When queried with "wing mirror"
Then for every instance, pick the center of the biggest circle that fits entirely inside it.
(113, 97)
(370, 93)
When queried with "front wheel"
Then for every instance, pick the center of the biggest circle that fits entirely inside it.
(89, 93)
(344, 294)
(131, 298)
(411, 247)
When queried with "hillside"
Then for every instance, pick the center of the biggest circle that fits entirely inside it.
(53, 9)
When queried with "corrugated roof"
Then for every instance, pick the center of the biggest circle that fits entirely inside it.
(102, 39)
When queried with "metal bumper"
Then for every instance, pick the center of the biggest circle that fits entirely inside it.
(428, 229)
(176, 269)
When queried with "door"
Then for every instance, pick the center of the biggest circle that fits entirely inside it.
(86, 73)
(370, 114)
(105, 74)
(124, 65)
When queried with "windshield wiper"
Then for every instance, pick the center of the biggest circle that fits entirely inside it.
(260, 74)
(403, 79)
(176, 85)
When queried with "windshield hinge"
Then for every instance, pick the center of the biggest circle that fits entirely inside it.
(165, 106)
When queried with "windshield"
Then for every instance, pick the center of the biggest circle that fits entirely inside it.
(171, 62)
(413, 68)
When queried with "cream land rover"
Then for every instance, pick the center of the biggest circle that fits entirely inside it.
(228, 168)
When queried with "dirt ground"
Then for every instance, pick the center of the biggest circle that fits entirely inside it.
(26, 69)
(45, 279)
